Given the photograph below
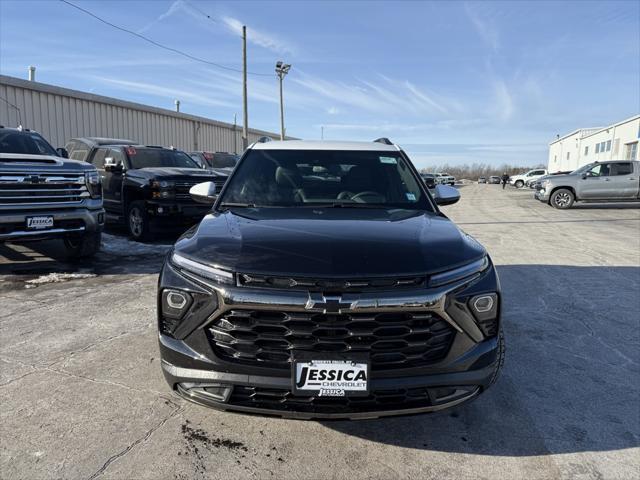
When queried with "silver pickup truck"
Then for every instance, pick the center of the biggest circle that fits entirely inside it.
(596, 182)
(44, 195)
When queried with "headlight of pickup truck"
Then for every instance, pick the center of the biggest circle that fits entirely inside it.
(93, 183)
(201, 270)
(459, 273)
(163, 189)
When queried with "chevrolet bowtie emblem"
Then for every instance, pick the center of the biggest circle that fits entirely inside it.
(328, 303)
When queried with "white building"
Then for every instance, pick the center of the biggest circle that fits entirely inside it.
(615, 142)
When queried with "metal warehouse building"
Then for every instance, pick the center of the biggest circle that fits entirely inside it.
(615, 142)
(60, 114)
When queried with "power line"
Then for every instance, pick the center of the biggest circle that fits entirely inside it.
(192, 5)
(153, 42)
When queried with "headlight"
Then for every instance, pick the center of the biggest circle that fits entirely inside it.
(93, 183)
(163, 184)
(202, 270)
(459, 273)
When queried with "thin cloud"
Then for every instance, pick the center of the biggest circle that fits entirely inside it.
(504, 101)
(165, 92)
(485, 29)
(257, 37)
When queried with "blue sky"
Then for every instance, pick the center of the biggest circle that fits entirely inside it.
(453, 82)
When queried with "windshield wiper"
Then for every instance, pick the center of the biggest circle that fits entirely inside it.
(238, 205)
(345, 205)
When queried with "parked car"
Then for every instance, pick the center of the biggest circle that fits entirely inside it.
(429, 179)
(494, 179)
(445, 179)
(537, 184)
(147, 187)
(600, 181)
(216, 160)
(43, 195)
(81, 148)
(520, 180)
(350, 296)
(482, 180)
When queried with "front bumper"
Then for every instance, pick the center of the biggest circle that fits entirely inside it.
(65, 222)
(193, 370)
(166, 210)
(542, 195)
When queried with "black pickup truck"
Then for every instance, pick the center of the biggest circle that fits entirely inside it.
(147, 187)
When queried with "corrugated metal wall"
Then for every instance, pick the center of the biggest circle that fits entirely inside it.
(60, 114)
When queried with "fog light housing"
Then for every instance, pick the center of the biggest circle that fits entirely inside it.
(483, 303)
(175, 303)
(485, 310)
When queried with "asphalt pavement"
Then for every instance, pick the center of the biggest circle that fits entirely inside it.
(82, 395)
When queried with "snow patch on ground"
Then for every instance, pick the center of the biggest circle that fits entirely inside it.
(121, 246)
(57, 278)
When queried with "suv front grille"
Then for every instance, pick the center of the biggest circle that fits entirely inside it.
(182, 188)
(393, 340)
(340, 285)
(39, 188)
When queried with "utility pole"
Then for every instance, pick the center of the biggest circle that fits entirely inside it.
(322, 132)
(235, 135)
(245, 127)
(281, 70)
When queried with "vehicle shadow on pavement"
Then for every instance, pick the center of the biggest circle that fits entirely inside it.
(570, 380)
(24, 261)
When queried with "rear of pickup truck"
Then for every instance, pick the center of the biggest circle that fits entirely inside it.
(44, 197)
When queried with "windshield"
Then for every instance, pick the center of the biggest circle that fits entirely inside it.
(221, 160)
(159, 157)
(286, 178)
(29, 143)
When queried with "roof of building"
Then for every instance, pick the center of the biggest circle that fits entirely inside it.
(324, 145)
(587, 132)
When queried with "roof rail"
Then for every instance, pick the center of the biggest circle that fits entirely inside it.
(384, 140)
(265, 139)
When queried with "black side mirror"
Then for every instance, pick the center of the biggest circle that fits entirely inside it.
(62, 152)
(584, 176)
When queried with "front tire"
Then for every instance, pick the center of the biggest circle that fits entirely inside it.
(138, 221)
(83, 246)
(562, 199)
(519, 184)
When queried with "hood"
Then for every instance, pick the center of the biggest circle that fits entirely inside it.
(173, 172)
(43, 163)
(329, 242)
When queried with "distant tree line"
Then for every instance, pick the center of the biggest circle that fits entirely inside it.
(475, 170)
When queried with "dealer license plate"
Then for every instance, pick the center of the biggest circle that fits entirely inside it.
(335, 377)
(39, 223)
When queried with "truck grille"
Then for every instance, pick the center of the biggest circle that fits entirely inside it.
(28, 188)
(182, 188)
(393, 340)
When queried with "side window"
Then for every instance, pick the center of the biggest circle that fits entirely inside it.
(98, 158)
(600, 170)
(78, 155)
(622, 168)
(196, 158)
(117, 155)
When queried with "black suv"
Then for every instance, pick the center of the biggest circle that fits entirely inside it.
(326, 283)
(147, 187)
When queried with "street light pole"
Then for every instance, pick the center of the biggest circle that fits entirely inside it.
(281, 70)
